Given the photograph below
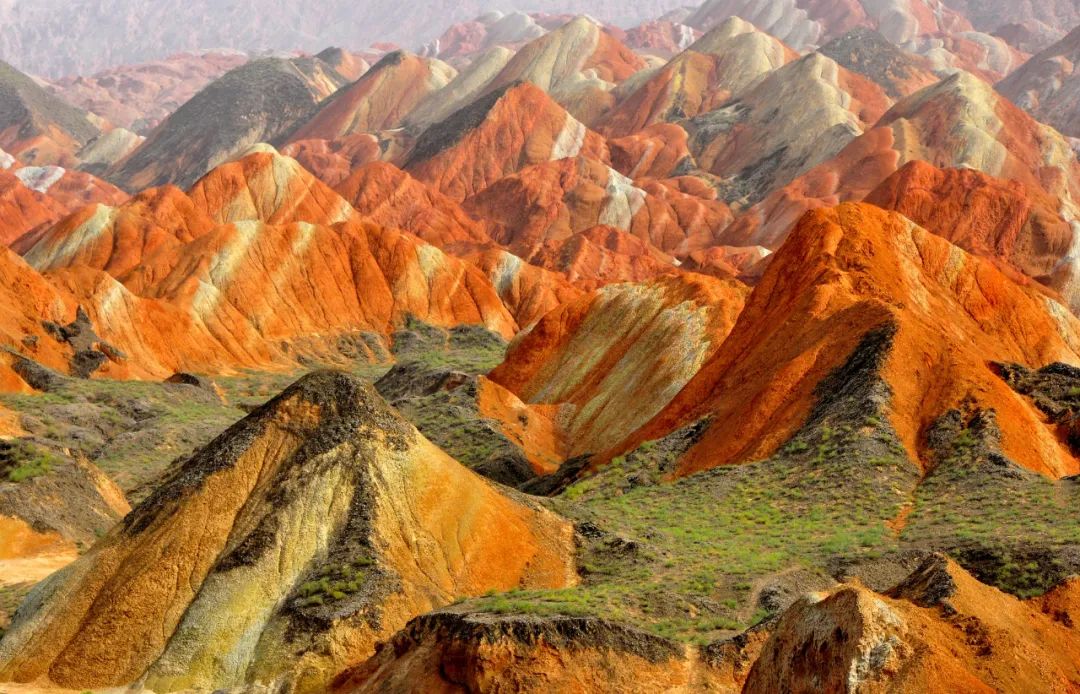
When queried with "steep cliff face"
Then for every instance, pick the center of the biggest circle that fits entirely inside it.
(286, 548)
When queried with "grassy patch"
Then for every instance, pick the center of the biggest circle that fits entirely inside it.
(682, 558)
(22, 460)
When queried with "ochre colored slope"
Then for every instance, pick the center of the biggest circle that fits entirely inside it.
(554, 200)
(1001, 220)
(527, 291)
(267, 186)
(225, 557)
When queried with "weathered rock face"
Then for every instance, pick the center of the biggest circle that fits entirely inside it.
(796, 117)
(939, 630)
(138, 97)
(553, 201)
(599, 354)
(34, 197)
(1046, 87)
(661, 37)
(469, 85)
(843, 273)
(499, 135)
(269, 187)
(318, 525)
(333, 160)
(603, 254)
(379, 100)
(261, 186)
(722, 63)
(47, 517)
(448, 652)
(578, 64)
(527, 291)
(263, 233)
(256, 102)
(870, 54)
(36, 126)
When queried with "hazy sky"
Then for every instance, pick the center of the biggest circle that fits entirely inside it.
(57, 37)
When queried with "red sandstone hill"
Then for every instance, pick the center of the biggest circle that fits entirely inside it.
(843, 273)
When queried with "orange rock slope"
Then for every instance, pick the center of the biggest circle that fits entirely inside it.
(842, 273)
(619, 355)
(939, 630)
(195, 280)
(32, 198)
(497, 136)
(552, 201)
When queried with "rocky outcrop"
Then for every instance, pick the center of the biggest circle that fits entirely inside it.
(320, 524)
(939, 630)
(446, 651)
